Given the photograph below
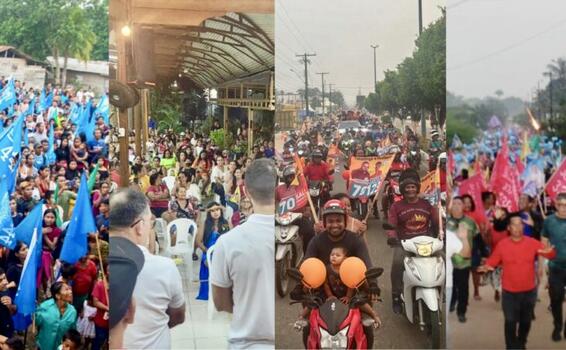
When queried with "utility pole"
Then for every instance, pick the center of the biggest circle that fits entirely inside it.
(322, 76)
(423, 121)
(374, 68)
(306, 61)
(330, 96)
(420, 16)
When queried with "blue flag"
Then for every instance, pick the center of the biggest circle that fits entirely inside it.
(25, 229)
(6, 148)
(27, 288)
(81, 224)
(31, 107)
(75, 113)
(7, 235)
(8, 96)
(18, 128)
(48, 101)
(42, 101)
(103, 109)
(51, 149)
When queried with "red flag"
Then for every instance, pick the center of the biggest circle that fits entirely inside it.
(474, 187)
(504, 181)
(557, 183)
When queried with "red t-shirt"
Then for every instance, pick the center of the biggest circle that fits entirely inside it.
(99, 293)
(317, 172)
(517, 259)
(413, 219)
(84, 278)
(158, 203)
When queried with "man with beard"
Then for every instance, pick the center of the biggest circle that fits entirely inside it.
(362, 173)
(412, 216)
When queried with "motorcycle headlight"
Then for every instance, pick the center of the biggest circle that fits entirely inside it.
(414, 270)
(314, 192)
(338, 341)
(424, 249)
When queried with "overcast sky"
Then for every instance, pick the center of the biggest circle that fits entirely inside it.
(340, 32)
(502, 44)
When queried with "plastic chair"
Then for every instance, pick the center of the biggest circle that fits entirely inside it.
(186, 234)
(160, 230)
(211, 307)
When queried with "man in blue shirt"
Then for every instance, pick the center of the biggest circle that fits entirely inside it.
(554, 234)
(96, 147)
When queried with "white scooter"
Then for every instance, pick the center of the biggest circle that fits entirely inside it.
(423, 282)
(288, 249)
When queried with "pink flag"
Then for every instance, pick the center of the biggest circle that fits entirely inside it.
(557, 183)
(505, 181)
(474, 187)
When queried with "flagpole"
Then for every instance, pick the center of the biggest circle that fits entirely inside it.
(542, 210)
(102, 268)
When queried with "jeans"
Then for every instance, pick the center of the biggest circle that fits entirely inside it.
(460, 290)
(101, 335)
(518, 310)
(556, 284)
(397, 267)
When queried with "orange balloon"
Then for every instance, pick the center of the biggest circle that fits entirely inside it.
(314, 272)
(353, 272)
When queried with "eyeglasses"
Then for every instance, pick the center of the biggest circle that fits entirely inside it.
(137, 222)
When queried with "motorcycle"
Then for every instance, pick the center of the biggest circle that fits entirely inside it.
(319, 193)
(423, 282)
(332, 324)
(288, 249)
(391, 193)
(414, 158)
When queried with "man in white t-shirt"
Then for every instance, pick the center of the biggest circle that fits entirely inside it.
(456, 243)
(160, 302)
(242, 272)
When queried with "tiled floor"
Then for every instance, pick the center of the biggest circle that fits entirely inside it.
(198, 332)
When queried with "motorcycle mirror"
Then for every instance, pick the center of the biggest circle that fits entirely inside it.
(295, 274)
(374, 272)
(388, 226)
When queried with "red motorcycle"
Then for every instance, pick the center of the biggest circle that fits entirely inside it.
(333, 324)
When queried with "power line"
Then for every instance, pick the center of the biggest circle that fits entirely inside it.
(507, 48)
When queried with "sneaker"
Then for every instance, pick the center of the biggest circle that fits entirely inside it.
(397, 305)
(195, 257)
(452, 308)
(556, 334)
(462, 318)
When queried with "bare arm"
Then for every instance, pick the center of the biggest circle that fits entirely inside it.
(223, 298)
(176, 316)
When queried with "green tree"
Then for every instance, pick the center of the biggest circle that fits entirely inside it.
(61, 28)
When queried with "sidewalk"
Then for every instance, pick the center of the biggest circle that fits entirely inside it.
(198, 332)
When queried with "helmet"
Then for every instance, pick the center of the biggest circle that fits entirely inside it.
(434, 133)
(289, 171)
(333, 206)
(442, 156)
(409, 177)
(316, 153)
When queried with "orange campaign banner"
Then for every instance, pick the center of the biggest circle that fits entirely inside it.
(367, 174)
(430, 186)
(296, 199)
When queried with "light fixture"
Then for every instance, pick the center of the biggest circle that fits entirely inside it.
(126, 31)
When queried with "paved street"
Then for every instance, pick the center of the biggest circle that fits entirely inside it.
(485, 324)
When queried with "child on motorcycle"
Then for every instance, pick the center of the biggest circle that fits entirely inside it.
(335, 288)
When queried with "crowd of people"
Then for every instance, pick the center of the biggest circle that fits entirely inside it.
(509, 213)
(185, 175)
(52, 140)
(337, 228)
